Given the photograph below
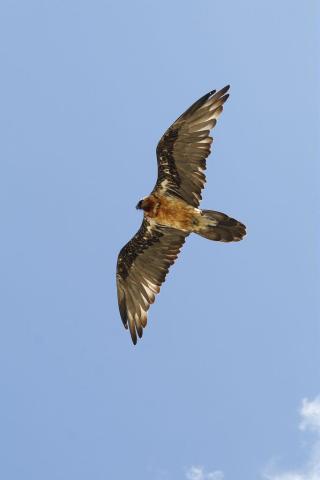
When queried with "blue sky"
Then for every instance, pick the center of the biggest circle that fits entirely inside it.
(228, 367)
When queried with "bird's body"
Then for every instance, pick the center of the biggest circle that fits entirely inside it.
(171, 212)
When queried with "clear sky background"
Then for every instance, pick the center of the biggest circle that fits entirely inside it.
(215, 389)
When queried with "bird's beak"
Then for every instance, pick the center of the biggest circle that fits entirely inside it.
(138, 206)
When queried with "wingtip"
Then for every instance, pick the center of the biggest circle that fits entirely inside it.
(219, 93)
(133, 333)
(223, 90)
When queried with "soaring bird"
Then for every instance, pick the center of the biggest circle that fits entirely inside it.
(171, 212)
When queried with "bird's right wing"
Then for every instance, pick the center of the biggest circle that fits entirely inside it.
(143, 264)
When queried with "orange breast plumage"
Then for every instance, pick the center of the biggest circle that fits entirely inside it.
(174, 213)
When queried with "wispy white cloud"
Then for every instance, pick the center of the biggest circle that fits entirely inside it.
(198, 473)
(310, 413)
(310, 420)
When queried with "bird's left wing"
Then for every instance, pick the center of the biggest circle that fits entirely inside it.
(183, 149)
(143, 264)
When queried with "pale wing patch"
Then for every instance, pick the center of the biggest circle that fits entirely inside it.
(163, 186)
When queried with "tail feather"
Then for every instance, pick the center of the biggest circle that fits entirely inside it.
(218, 226)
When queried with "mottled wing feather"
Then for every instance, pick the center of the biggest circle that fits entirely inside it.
(143, 264)
(183, 149)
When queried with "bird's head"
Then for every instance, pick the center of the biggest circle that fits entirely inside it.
(139, 205)
(146, 203)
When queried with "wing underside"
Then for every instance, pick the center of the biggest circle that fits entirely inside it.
(183, 149)
(142, 266)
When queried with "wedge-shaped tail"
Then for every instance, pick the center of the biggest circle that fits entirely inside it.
(218, 226)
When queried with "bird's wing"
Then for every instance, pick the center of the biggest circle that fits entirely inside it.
(142, 266)
(183, 149)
